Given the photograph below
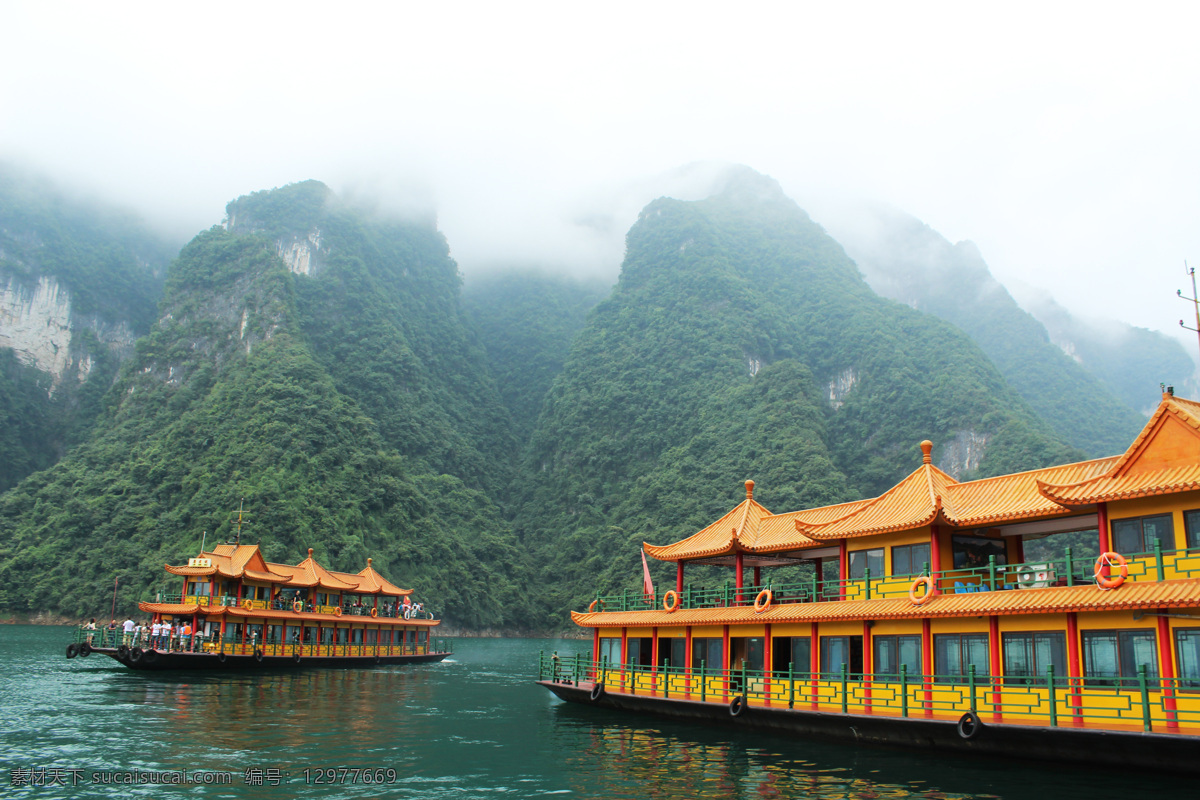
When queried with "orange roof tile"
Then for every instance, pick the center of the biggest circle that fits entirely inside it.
(1008, 498)
(719, 538)
(1054, 600)
(369, 581)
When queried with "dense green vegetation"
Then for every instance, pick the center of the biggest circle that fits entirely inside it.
(712, 362)
(527, 321)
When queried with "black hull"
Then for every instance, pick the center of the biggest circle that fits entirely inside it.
(1112, 749)
(155, 661)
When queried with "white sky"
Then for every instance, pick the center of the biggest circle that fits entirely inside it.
(1061, 138)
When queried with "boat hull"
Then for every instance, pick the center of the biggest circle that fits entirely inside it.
(1147, 751)
(155, 661)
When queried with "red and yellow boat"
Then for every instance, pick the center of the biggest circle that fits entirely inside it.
(1050, 614)
(236, 610)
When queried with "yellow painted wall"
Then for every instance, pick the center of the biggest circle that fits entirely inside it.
(791, 629)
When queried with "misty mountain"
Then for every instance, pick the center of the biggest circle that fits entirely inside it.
(527, 322)
(741, 342)
(78, 284)
(255, 382)
(906, 260)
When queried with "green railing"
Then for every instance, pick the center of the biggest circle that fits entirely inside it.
(345, 610)
(231, 644)
(1156, 565)
(1146, 703)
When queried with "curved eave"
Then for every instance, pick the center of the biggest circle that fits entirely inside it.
(1054, 600)
(264, 577)
(172, 608)
(1117, 489)
(820, 535)
(190, 572)
(1007, 517)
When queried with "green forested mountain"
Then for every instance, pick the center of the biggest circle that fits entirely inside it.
(906, 260)
(78, 283)
(237, 393)
(527, 322)
(741, 342)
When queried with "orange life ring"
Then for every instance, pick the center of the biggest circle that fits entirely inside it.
(298, 606)
(592, 606)
(763, 601)
(912, 591)
(670, 601)
(337, 611)
(1110, 581)
(374, 612)
(248, 604)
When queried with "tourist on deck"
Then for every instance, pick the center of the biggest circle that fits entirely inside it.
(128, 627)
(185, 637)
(110, 634)
(167, 633)
(91, 630)
(155, 635)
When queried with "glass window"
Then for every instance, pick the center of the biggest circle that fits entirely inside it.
(862, 560)
(1028, 655)
(889, 652)
(670, 651)
(839, 650)
(955, 653)
(1191, 525)
(910, 559)
(1187, 654)
(972, 552)
(610, 650)
(801, 655)
(1112, 658)
(1130, 536)
(707, 650)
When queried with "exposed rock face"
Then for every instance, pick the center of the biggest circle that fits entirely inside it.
(962, 454)
(37, 323)
(840, 386)
(300, 253)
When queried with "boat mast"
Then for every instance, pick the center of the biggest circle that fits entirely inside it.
(1194, 300)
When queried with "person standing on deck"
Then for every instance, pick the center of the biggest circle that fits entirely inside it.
(128, 628)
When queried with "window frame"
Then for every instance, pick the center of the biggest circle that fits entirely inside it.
(866, 557)
(941, 673)
(1168, 542)
(896, 640)
(1124, 637)
(908, 551)
(1037, 677)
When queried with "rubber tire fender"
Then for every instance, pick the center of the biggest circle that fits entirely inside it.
(258, 655)
(135, 654)
(737, 705)
(150, 656)
(969, 725)
(221, 657)
(296, 658)
(597, 692)
(72, 650)
(122, 651)
(85, 649)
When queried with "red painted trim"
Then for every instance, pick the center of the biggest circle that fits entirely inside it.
(1074, 671)
(935, 555)
(757, 577)
(738, 567)
(927, 657)
(868, 664)
(994, 666)
(767, 660)
(654, 661)
(814, 659)
(1105, 533)
(624, 654)
(595, 655)
(687, 662)
(843, 568)
(1167, 670)
(725, 657)
(679, 577)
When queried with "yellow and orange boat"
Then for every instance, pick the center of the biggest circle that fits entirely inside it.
(1050, 614)
(236, 610)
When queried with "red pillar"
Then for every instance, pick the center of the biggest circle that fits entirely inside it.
(843, 568)
(757, 576)
(725, 659)
(687, 661)
(624, 654)
(1074, 670)
(595, 655)
(1105, 537)
(767, 661)
(814, 662)
(738, 569)
(1167, 670)
(653, 661)
(679, 577)
(935, 556)
(868, 664)
(927, 658)
(994, 665)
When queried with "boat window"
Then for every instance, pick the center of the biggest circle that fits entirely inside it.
(203, 589)
(1112, 658)
(839, 650)
(889, 652)
(955, 653)
(1028, 655)
(1187, 654)
(1191, 525)
(862, 560)
(1131, 536)
(708, 651)
(972, 552)
(640, 651)
(671, 651)
(610, 651)
(909, 559)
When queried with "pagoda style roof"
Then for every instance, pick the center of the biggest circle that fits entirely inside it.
(1147, 596)
(245, 562)
(1165, 458)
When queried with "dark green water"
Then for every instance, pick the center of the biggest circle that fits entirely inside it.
(474, 726)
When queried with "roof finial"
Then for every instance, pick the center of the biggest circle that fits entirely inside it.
(926, 450)
(749, 490)
(368, 561)
(310, 552)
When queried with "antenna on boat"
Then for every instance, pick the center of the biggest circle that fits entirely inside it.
(238, 538)
(203, 539)
(1194, 299)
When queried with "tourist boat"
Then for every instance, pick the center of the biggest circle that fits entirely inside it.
(236, 610)
(1051, 614)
